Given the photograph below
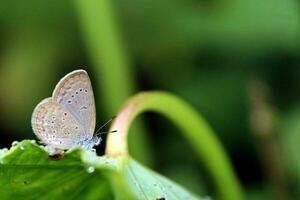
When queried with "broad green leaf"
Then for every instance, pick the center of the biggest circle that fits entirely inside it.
(154, 186)
(27, 172)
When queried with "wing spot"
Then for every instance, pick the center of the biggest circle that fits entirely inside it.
(80, 90)
(54, 131)
(76, 127)
(73, 96)
(85, 90)
(65, 114)
(83, 108)
(69, 101)
(76, 92)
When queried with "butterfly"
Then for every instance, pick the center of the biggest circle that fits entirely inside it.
(67, 119)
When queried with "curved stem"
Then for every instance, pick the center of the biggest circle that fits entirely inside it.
(194, 128)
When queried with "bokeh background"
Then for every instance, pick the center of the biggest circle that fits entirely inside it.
(237, 62)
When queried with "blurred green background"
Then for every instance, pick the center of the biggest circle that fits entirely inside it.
(237, 62)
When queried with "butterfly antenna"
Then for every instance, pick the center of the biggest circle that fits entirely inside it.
(106, 132)
(99, 129)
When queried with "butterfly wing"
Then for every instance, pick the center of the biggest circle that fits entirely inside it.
(54, 125)
(75, 93)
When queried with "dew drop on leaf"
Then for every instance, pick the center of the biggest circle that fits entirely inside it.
(14, 143)
(90, 169)
(22, 148)
(3, 151)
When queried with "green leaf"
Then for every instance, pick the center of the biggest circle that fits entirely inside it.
(154, 186)
(26, 171)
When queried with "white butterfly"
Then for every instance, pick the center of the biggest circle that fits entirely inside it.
(67, 119)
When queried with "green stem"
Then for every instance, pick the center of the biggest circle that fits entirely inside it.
(106, 51)
(112, 65)
(194, 128)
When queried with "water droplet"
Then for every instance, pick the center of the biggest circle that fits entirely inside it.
(90, 169)
(14, 143)
(3, 151)
(22, 148)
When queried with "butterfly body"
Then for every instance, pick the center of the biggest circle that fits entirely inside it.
(67, 119)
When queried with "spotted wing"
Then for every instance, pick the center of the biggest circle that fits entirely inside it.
(75, 93)
(54, 125)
